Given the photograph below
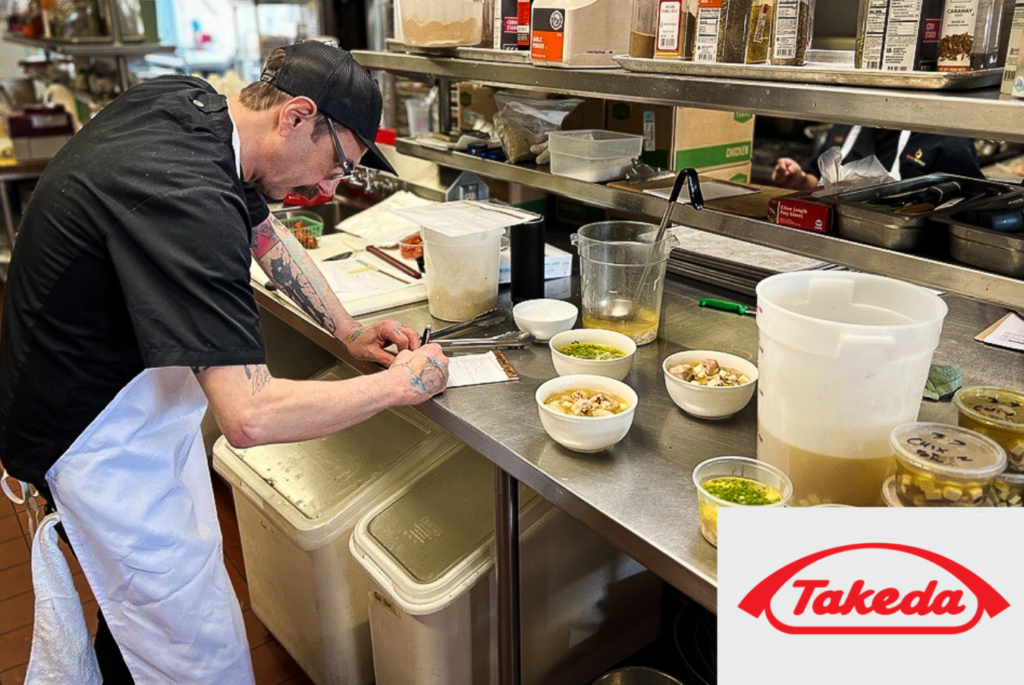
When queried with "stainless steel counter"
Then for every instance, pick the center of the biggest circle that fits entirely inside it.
(639, 494)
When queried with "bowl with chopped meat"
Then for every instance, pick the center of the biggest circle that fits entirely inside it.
(586, 412)
(592, 350)
(709, 384)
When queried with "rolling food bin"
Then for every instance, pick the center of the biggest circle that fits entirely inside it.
(297, 504)
(429, 553)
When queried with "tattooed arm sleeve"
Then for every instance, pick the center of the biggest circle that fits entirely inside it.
(287, 263)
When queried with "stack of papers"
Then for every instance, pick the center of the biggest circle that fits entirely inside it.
(730, 263)
(1008, 332)
(455, 219)
(379, 225)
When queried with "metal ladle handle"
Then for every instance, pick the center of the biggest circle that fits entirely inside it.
(696, 199)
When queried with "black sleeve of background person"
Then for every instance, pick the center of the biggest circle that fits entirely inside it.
(955, 155)
(256, 204)
(183, 260)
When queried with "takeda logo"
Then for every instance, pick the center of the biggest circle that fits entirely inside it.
(873, 589)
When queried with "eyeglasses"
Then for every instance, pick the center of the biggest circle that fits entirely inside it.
(346, 166)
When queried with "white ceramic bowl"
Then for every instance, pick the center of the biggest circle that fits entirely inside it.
(709, 402)
(612, 368)
(586, 433)
(544, 318)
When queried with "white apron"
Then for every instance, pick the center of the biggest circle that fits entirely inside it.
(851, 139)
(135, 497)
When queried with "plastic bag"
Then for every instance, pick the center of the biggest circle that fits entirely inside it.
(838, 177)
(524, 122)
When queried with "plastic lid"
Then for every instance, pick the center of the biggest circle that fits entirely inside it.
(988, 404)
(1011, 478)
(947, 450)
(443, 518)
(316, 475)
(889, 493)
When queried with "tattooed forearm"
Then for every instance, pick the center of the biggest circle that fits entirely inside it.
(427, 378)
(287, 263)
(259, 376)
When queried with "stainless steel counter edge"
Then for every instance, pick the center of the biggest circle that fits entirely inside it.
(639, 494)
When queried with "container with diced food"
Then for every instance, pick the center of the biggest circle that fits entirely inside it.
(938, 465)
(736, 482)
(593, 155)
(889, 495)
(1007, 490)
(999, 414)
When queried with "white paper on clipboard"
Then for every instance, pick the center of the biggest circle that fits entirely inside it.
(1008, 332)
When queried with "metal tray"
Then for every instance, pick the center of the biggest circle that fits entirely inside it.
(473, 53)
(983, 247)
(832, 67)
(901, 232)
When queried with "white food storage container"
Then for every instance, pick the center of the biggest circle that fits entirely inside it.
(429, 553)
(593, 155)
(297, 504)
(441, 23)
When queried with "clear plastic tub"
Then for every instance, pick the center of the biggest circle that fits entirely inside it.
(593, 155)
(736, 468)
(441, 23)
(1007, 490)
(997, 413)
(461, 273)
(944, 466)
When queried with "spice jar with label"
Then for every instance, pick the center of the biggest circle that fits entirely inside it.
(759, 33)
(722, 31)
(794, 27)
(677, 29)
(641, 33)
(970, 34)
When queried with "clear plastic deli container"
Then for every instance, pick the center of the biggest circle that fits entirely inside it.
(999, 414)
(297, 504)
(441, 23)
(736, 482)
(593, 155)
(938, 465)
(428, 551)
(1007, 490)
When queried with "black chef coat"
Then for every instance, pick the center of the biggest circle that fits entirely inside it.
(134, 252)
(925, 153)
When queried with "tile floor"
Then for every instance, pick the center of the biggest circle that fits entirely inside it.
(272, 665)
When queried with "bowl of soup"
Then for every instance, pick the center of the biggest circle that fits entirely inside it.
(592, 350)
(586, 412)
(709, 384)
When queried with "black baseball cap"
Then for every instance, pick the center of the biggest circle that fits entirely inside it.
(340, 87)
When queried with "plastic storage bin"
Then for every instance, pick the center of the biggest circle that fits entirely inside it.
(297, 504)
(593, 155)
(429, 552)
(441, 23)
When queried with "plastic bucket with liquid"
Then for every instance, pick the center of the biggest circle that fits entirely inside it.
(461, 273)
(843, 359)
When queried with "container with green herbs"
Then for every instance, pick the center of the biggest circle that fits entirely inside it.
(759, 32)
(722, 31)
(737, 482)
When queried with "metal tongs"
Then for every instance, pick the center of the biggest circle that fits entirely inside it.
(491, 317)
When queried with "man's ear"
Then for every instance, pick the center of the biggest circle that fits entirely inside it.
(295, 113)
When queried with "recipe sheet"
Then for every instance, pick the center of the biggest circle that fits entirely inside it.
(480, 369)
(1008, 332)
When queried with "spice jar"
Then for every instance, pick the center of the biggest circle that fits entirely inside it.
(759, 33)
(794, 26)
(722, 31)
(677, 29)
(641, 33)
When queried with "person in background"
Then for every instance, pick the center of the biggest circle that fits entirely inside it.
(129, 310)
(905, 154)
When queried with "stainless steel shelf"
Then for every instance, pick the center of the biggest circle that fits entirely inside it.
(946, 276)
(979, 113)
(97, 49)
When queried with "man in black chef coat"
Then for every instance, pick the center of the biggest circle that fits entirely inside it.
(913, 155)
(134, 255)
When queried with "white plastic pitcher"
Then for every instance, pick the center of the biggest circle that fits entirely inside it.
(843, 359)
(461, 273)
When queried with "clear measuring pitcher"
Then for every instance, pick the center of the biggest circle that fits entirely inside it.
(623, 276)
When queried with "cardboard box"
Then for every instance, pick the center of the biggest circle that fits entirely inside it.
(800, 211)
(735, 174)
(476, 101)
(680, 137)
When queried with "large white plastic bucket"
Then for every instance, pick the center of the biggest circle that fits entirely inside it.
(843, 359)
(462, 273)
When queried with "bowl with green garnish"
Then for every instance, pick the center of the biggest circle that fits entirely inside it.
(592, 350)
(737, 482)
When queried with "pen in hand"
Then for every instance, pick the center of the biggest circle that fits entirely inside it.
(425, 337)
